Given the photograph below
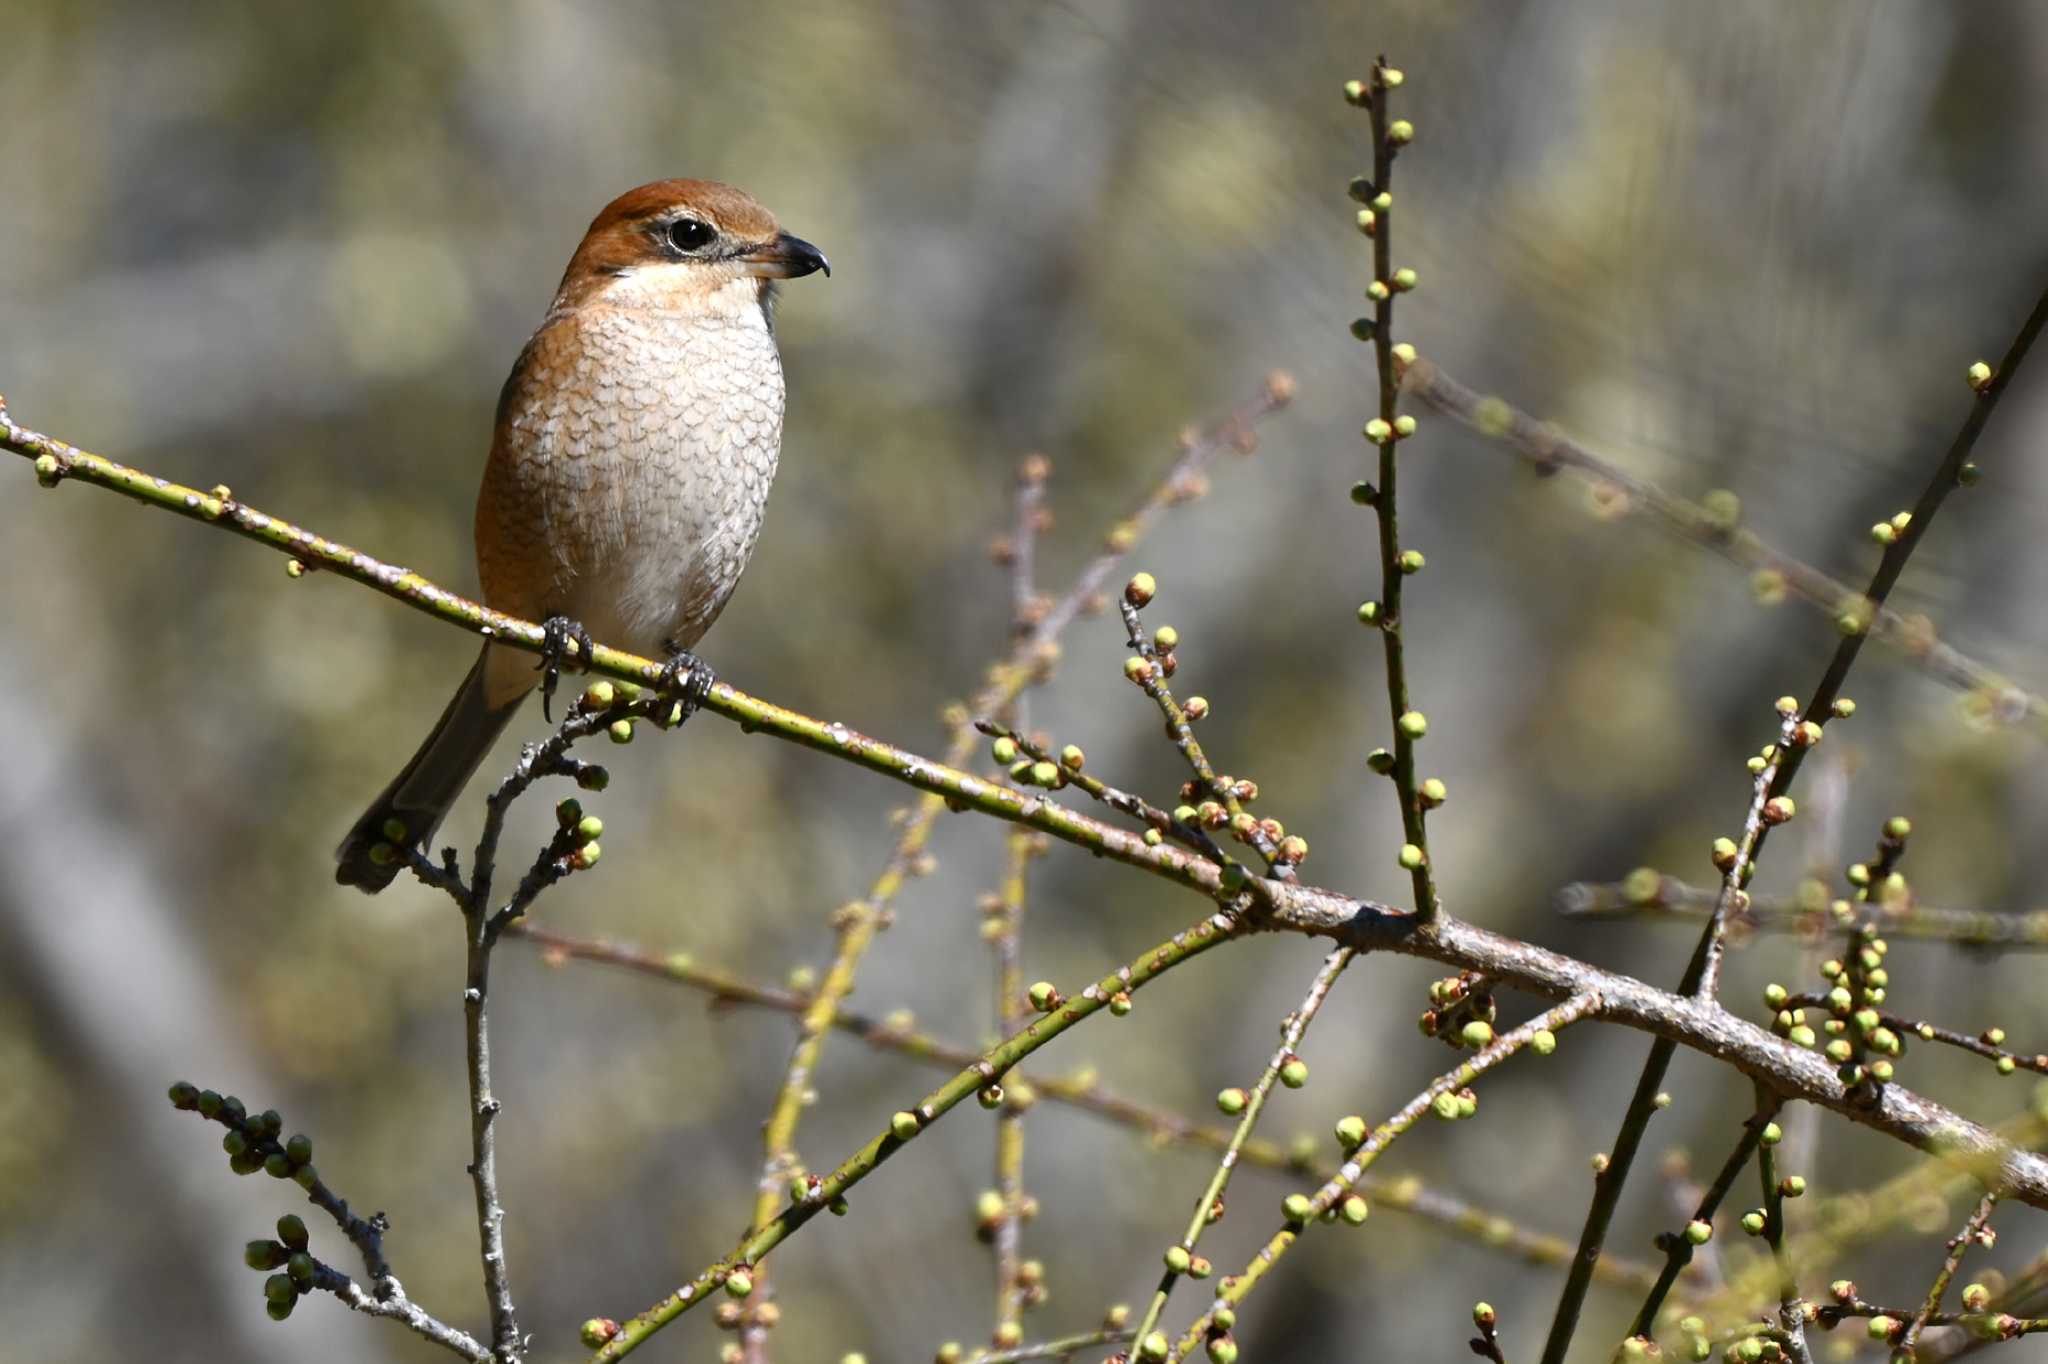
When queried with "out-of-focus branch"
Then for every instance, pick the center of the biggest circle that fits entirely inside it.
(1671, 897)
(1549, 450)
(1084, 1091)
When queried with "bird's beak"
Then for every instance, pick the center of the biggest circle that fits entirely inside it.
(786, 257)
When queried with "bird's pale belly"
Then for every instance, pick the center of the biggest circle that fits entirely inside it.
(632, 474)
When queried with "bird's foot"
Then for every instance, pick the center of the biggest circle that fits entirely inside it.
(686, 679)
(557, 633)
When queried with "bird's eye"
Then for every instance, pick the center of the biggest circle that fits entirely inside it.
(691, 234)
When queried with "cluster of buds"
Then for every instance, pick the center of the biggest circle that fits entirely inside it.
(576, 835)
(253, 1139)
(298, 1270)
(1461, 1010)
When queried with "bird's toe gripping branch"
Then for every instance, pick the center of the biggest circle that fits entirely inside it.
(685, 679)
(558, 633)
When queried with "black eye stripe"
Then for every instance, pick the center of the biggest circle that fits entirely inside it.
(690, 234)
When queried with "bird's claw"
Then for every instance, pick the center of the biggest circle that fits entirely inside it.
(557, 633)
(687, 680)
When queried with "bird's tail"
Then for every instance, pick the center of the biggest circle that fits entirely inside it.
(420, 796)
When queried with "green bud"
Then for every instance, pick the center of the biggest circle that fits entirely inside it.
(1294, 1074)
(300, 1267)
(739, 1283)
(1351, 1131)
(264, 1255)
(1177, 1259)
(280, 1288)
(1543, 1042)
(1354, 1209)
(1476, 1034)
(1699, 1232)
(903, 1125)
(1297, 1207)
(1231, 1101)
(184, 1095)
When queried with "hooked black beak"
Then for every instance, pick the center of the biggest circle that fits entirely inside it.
(786, 257)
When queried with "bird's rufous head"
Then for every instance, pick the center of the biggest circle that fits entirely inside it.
(684, 244)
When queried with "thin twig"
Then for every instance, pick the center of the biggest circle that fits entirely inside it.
(1679, 899)
(1958, 1246)
(1210, 1205)
(1678, 1246)
(1233, 1289)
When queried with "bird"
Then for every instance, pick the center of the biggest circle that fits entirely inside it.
(628, 475)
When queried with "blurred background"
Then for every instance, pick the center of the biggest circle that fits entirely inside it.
(1739, 246)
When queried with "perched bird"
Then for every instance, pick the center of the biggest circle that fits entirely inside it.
(636, 439)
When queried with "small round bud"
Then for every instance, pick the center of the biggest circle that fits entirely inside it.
(1792, 1186)
(1357, 94)
(1350, 1131)
(49, 472)
(1222, 1349)
(1154, 1346)
(1003, 750)
(1881, 1328)
(1414, 724)
(278, 1165)
(599, 695)
(1410, 857)
(1297, 1207)
(1391, 77)
(1699, 1232)
(1045, 996)
(1979, 375)
(1753, 1222)
(185, 1095)
(597, 1331)
(1779, 809)
(1445, 1106)
(1378, 431)
(1364, 328)
(1404, 279)
(1433, 792)
(1369, 613)
(1411, 561)
(1380, 761)
(1400, 132)
(1476, 1034)
(1195, 707)
(1898, 828)
(300, 1267)
(739, 1283)
(1378, 291)
(1166, 639)
(591, 777)
(1140, 590)
(264, 1255)
(1976, 1297)
(1354, 1210)
(903, 1125)
(280, 1291)
(1294, 1074)
(1178, 1259)
(1231, 1101)
(585, 857)
(620, 731)
(989, 1096)
(1120, 1003)
(1044, 774)
(1543, 1042)
(1771, 1135)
